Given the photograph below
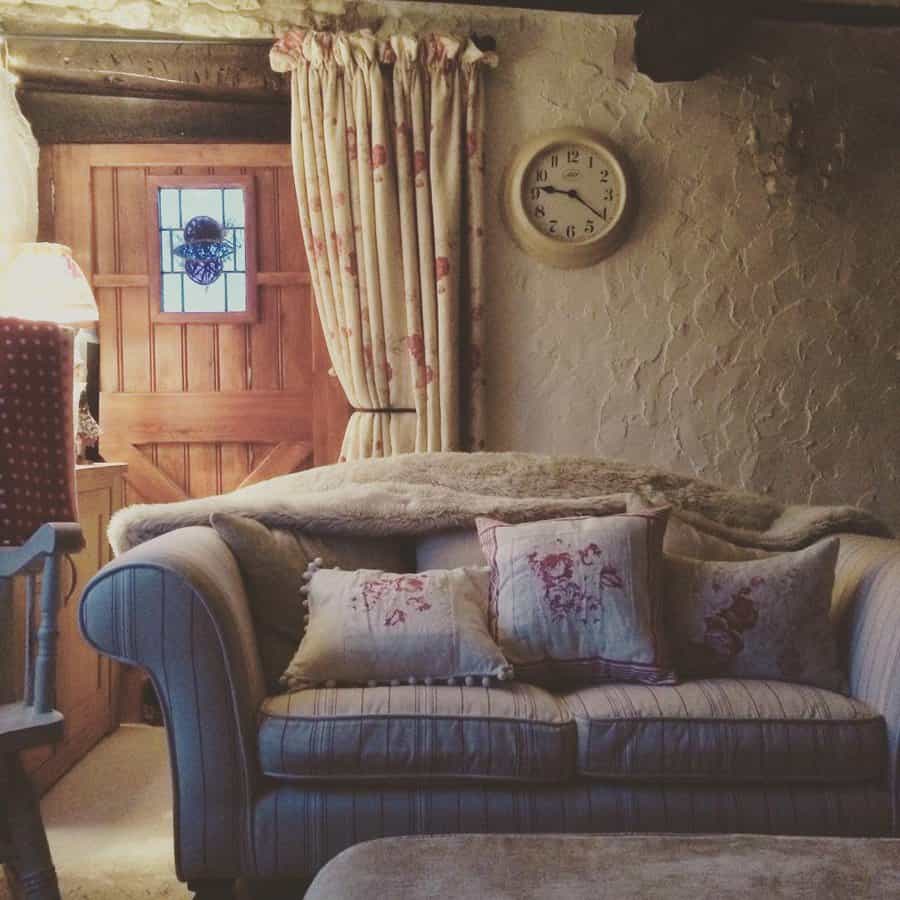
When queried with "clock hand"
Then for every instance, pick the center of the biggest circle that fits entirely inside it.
(576, 196)
(569, 193)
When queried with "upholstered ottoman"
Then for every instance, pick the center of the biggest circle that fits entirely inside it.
(528, 867)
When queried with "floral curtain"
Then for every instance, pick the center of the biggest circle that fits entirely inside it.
(387, 140)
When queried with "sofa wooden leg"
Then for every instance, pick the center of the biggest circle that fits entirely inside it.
(212, 889)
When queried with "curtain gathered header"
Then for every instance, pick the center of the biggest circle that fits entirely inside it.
(321, 48)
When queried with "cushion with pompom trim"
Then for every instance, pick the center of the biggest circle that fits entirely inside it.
(373, 627)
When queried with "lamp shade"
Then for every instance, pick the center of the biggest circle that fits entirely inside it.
(42, 283)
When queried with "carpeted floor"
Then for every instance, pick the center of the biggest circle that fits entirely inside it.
(109, 822)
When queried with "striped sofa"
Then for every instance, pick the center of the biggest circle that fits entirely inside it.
(273, 787)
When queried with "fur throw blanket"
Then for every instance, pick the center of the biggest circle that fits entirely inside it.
(423, 493)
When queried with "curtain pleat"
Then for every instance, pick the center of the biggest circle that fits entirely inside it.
(387, 152)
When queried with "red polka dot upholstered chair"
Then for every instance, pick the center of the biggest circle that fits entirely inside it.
(37, 527)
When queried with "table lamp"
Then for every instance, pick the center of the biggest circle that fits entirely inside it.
(42, 282)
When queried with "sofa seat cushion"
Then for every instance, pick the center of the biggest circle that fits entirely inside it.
(514, 731)
(726, 730)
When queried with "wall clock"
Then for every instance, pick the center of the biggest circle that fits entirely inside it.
(567, 197)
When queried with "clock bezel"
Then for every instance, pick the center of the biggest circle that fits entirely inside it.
(558, 253)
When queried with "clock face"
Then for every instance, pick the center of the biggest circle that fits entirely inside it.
(567, 197)
(573, 192)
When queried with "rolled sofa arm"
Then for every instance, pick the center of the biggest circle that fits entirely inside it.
(176, 607)
(867, 594)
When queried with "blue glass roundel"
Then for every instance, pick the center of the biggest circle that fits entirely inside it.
(204, 249)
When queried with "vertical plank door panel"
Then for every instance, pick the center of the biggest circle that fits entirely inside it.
(297, 359)
(129, 213)
(203, 474)
(233, 341)
(265, 337)
(169, 343)
(105, 261)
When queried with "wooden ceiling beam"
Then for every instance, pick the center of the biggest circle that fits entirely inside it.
(682, 40)
(864, 16)
(88, 88)
(165, 70)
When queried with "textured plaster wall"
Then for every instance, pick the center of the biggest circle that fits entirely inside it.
(208, 18)
(749, 330)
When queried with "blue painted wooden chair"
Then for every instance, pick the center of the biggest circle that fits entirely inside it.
(38, 527)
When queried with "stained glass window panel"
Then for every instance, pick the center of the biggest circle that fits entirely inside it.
(236, 285)
(171, 294)
(240, 263)
(234, 208)
(202, 244)
(201, 202)
(200, 298)
(165, 251)
(169, 214)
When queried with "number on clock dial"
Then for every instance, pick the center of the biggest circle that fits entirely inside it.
(570, 194)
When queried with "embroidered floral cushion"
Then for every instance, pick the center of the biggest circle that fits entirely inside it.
(272, 563)
(371, 627)
(579, 600)
(765, 618)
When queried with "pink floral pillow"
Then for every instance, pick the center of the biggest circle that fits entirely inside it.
(763, 618)
(369, 626)
(579, 600)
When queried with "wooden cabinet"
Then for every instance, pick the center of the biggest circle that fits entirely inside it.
(87, 683)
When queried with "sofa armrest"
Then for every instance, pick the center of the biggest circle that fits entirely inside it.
(867, 597)
(176, 606)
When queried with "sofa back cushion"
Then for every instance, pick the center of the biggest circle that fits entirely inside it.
(683, 539)
(450, 549)
(272, 562)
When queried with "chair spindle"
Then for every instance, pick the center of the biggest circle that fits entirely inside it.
(29, 639)
(48, 633)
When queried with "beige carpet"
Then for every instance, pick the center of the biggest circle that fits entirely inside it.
(109, 822)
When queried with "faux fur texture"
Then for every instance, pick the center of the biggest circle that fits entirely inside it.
(600, 867)
(424, 493)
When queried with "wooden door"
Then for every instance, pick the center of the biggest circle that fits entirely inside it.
(197, 409)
